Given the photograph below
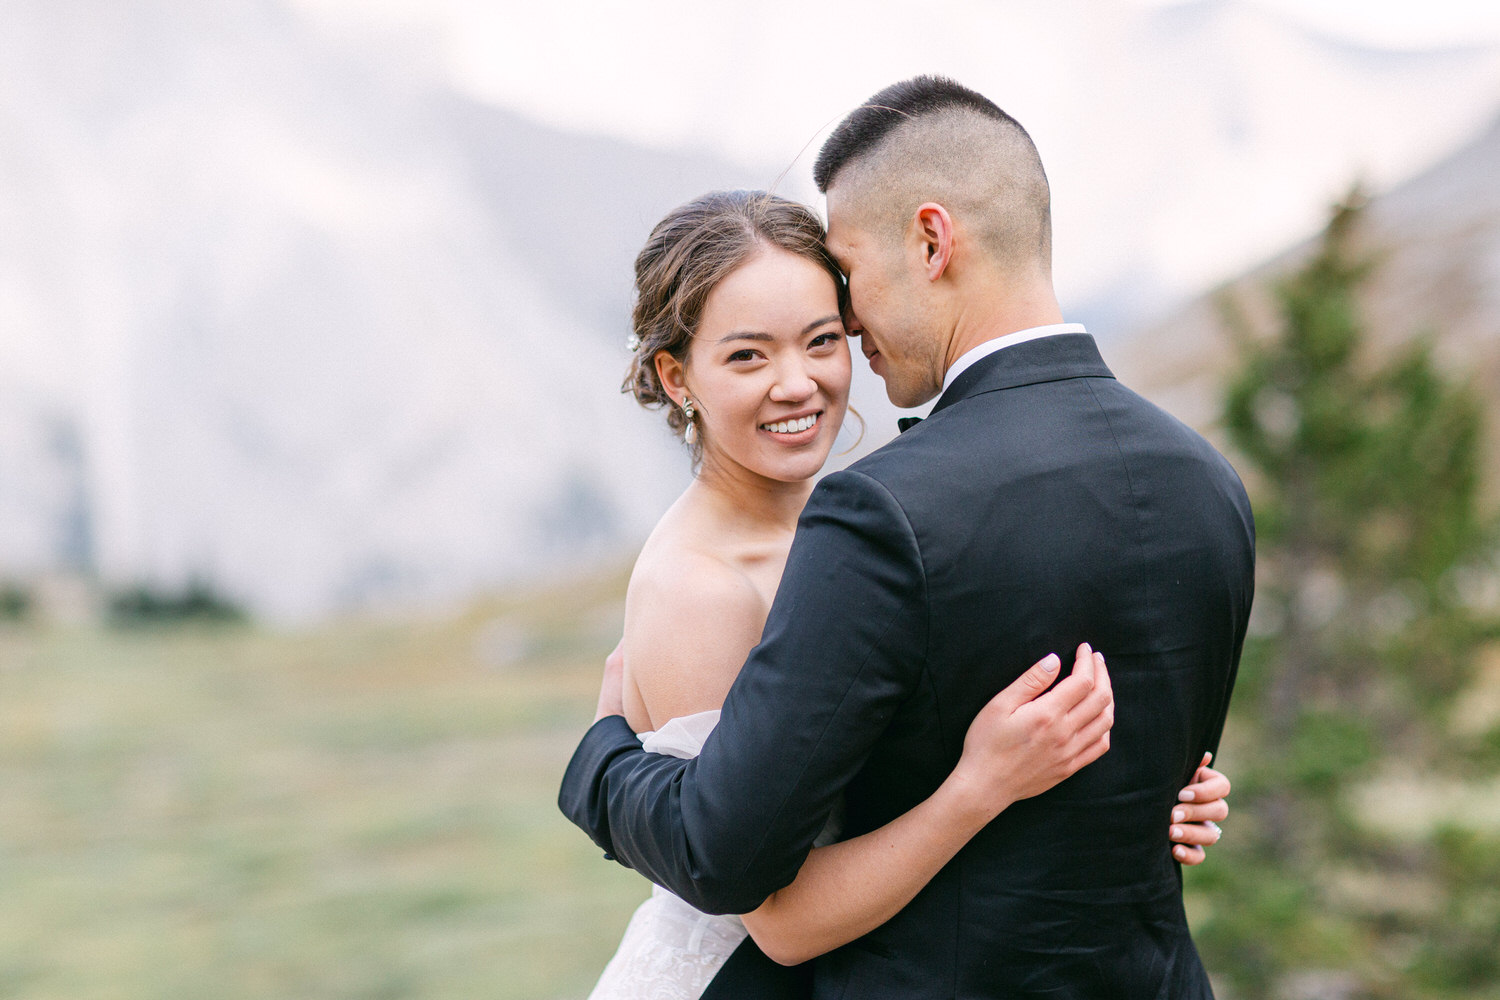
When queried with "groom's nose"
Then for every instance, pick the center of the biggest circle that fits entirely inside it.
(852, 324)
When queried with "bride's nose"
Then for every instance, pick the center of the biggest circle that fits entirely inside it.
(793, 382)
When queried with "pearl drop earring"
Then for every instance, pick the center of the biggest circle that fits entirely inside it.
(690, 432)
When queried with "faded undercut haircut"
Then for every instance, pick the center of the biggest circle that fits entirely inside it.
(932, 139)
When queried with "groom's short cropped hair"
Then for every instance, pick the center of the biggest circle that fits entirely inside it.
(933, 139)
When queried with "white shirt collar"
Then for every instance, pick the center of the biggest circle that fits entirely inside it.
(989, 347)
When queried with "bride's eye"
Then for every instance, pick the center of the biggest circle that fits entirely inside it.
(825, 340)
(745, 355)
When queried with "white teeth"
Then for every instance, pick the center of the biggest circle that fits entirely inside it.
(791, 426)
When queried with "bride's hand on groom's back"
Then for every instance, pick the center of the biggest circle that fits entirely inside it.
(1196, 817)
(1028, 738)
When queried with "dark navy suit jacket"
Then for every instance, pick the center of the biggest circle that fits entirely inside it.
(1041, 504)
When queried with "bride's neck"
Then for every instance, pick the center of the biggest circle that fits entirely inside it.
(739, 496)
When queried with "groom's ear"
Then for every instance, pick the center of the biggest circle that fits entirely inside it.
(933, 227)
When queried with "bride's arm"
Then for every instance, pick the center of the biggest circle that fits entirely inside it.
(848, 889)
(1022, 743)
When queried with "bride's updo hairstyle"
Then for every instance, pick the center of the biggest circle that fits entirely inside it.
(688, 253)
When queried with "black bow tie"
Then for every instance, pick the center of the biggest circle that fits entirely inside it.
(904, 424)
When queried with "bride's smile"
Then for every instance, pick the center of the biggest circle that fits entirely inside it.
(791, 429)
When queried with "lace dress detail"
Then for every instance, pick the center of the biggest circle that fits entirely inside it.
(670, 950)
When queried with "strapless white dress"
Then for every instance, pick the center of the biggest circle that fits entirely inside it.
(670, 950)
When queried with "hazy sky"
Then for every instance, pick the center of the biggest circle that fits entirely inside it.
(761, 81)
(650, 70)
(1391, 23)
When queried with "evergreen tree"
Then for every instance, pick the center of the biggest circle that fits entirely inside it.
(1366, 480)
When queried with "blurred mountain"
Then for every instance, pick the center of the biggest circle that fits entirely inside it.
(287, 312)
(280, 314)
(1436, 240)
(1237, 127)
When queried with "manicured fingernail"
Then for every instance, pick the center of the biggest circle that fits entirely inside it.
(1051, 663)
(1179, 852)
(1176, 832)
(1178, 815)
(1210, 759)
(1088, 650)
(1186, 795)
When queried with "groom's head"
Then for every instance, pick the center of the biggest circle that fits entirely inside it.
(938, 212)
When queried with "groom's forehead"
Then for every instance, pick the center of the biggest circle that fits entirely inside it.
(856, 207)
(838, 244)
(847, 233)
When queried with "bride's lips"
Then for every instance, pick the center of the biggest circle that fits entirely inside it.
(794, 430)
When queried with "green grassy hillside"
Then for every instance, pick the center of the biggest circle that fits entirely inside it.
(367, 810)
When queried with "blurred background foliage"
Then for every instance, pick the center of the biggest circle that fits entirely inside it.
(1362, 859)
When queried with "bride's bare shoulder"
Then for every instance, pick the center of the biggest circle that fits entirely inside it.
(692, 588)
(691, 618)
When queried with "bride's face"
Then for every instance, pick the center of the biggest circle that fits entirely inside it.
(769, 368)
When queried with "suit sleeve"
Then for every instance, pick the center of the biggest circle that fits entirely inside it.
(843, 647)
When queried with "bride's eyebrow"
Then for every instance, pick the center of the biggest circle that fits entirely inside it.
(809, 328)
(756, 335)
